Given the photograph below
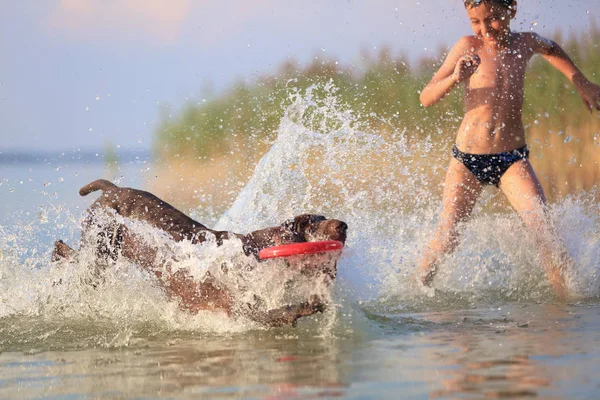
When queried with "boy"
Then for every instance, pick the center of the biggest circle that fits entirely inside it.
(490, 147)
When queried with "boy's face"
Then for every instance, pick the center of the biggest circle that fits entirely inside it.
(491, 22)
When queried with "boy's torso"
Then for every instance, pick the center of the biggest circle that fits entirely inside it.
(494, 98)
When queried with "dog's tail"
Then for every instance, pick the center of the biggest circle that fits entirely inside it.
(100, 184)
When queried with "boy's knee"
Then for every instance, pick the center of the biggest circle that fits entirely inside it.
(451, 243)
(446, 241)
(536, 220)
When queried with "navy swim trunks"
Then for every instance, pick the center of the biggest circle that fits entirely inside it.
(489, 168)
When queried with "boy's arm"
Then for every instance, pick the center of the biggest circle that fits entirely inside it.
(457, 67)
(558, 58)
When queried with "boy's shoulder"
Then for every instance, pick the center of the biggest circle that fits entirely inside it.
(527, 36)
(467, 43)
(534, 41)
(531, 40)
(467, 40)
(470, 40)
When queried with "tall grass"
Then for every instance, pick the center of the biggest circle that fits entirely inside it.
(383, 92)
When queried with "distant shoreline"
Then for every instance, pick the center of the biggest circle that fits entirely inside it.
(13, 157)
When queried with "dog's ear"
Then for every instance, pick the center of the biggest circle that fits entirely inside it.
(302, 222)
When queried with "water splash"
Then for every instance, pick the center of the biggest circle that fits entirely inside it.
(325, 160)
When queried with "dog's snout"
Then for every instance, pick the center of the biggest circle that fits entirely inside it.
(337, 230)
(328, 229)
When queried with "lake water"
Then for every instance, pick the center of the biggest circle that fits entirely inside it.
(491, 330)
(506, 350)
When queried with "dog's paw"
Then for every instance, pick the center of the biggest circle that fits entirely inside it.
(317, 304)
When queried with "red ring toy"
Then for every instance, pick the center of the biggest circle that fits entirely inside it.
(296, 249)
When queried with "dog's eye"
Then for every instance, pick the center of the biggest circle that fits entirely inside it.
(301, 223)
(289, 224)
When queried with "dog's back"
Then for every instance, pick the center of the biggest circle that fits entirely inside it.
(141, 205)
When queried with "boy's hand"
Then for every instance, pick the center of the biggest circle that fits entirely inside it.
(588, 91)
(466, 66)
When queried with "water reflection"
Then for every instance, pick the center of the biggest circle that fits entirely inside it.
(519, 351)
(501, 357)
(260, 364)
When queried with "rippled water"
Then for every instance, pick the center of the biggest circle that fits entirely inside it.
(510, 350)
(490, 330)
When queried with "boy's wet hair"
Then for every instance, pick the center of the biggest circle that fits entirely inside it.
(475, 3)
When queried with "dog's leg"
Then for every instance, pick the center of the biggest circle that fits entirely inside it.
(195, 296)
(286, 315)
(61, 251)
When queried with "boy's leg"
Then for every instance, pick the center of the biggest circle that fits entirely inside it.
(461, 190)
(525, 194)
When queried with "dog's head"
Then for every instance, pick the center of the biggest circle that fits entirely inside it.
(303, 228)
(311, 228)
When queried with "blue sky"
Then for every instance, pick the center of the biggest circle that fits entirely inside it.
(94, 73)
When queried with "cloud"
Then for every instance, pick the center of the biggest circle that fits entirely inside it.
(207, 23)
(218, 21)
(156, 21)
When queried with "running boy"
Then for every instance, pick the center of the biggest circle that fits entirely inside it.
(490, 147)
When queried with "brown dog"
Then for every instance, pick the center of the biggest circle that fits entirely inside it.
(112, 240)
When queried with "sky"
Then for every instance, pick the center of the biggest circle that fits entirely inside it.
(87, 74)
